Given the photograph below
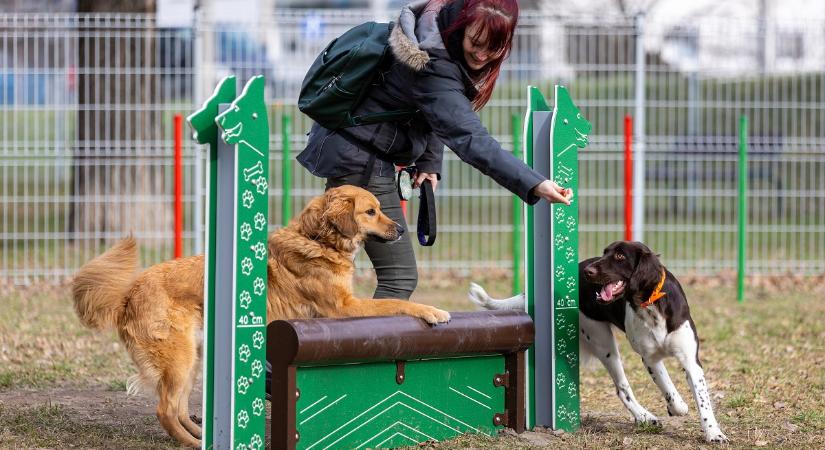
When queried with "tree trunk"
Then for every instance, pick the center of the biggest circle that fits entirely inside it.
(116, 184)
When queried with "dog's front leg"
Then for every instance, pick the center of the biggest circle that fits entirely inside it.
(356, 307)
(598, 339)
(657, 370)
(687, 353)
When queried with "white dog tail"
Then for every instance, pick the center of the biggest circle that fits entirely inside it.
(479, 296)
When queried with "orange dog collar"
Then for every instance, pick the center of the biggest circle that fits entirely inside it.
(657, 294)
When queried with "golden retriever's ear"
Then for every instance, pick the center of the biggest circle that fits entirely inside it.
(310, 218)
(341, 215)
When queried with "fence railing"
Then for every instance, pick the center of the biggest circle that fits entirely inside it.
(87, 105)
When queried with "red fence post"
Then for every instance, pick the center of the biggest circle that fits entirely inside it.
(628, 177)
(178, 185)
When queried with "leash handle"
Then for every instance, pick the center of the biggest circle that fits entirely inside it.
(426, 215)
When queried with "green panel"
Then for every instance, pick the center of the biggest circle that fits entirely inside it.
(362, 406)
(205, 131)
(569, 133)
(245, 125)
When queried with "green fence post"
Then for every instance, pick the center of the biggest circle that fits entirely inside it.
(743, 204)
(286, 169)
(516, 238)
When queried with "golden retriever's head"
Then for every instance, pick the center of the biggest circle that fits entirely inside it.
(348, 213)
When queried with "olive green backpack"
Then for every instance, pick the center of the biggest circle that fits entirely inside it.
(343, 73)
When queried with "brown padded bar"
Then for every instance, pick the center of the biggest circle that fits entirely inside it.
(399, 337)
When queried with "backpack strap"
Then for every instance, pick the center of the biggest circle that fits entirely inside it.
(367, 175)
(401, 115)
(426, 215)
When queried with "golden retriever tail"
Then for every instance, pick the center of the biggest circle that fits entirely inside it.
(99, 288)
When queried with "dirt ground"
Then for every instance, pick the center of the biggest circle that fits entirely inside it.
(62, 386)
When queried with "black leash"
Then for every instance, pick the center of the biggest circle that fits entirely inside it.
(426, 215)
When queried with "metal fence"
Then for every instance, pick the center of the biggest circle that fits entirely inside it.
(87, 105)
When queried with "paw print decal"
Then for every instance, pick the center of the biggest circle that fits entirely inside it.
(244, 353)
(258, 286)
(261, 185)
(248, 199)
(569, 254)
(260, 251)
(241, 446)
(256, 443)
(246, 231)
(260, 221)
(245, 299)
(243, 419)
(258, 340)
(243, 386)
(258, 406)
(257, 368)
(246, 265)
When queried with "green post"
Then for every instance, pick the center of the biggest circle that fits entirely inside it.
(743, 203)
(552, 140)
(516, 129)
(205, 132)
(235, 305)
(286, 169)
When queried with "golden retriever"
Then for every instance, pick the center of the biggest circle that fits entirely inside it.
(159, 313)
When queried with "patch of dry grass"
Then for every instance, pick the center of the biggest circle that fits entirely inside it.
(764, 360)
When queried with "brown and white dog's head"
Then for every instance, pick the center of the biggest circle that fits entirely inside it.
(347, 215)
(625, 267)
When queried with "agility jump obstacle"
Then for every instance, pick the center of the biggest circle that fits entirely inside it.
(381, 382)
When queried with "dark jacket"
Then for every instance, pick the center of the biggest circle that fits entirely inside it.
(424, 77)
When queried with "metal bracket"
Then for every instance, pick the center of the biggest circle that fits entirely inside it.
(501, 419)
(502, 379)
(399, 371)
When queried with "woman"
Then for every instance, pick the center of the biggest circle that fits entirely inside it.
(448, 55)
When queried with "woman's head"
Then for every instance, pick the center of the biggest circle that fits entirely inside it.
(488, 27)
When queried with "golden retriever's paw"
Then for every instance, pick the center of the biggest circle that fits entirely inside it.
(434, 315)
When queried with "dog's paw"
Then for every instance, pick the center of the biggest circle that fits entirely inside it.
(716, 438)
(647, 418)
(435, 316)
(677, 407)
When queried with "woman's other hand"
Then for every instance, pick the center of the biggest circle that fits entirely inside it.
(552, 192)
(421, 176)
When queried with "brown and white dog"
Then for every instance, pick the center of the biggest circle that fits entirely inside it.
(158, 313)
(629, 288)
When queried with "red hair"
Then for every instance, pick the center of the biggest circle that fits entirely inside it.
(498, 19)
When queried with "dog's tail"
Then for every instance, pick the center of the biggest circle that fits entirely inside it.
(99, 288)
(479, 296)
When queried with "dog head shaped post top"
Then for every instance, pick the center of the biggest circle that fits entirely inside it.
(573, 128)
(344, 217)
(245, 122)
(626, 268)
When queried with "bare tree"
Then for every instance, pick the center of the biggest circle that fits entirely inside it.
(114, 187)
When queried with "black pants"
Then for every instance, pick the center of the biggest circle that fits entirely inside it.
(394, 262)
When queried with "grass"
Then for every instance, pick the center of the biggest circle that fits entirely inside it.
(63, 386)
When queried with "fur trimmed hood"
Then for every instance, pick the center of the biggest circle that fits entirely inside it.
(416, 32)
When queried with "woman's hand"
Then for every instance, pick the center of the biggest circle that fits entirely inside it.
(421, 176)
(552, 192)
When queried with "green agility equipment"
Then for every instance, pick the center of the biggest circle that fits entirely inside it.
(551, 267)
(237, 132)
(380, 381)
(383, 382)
